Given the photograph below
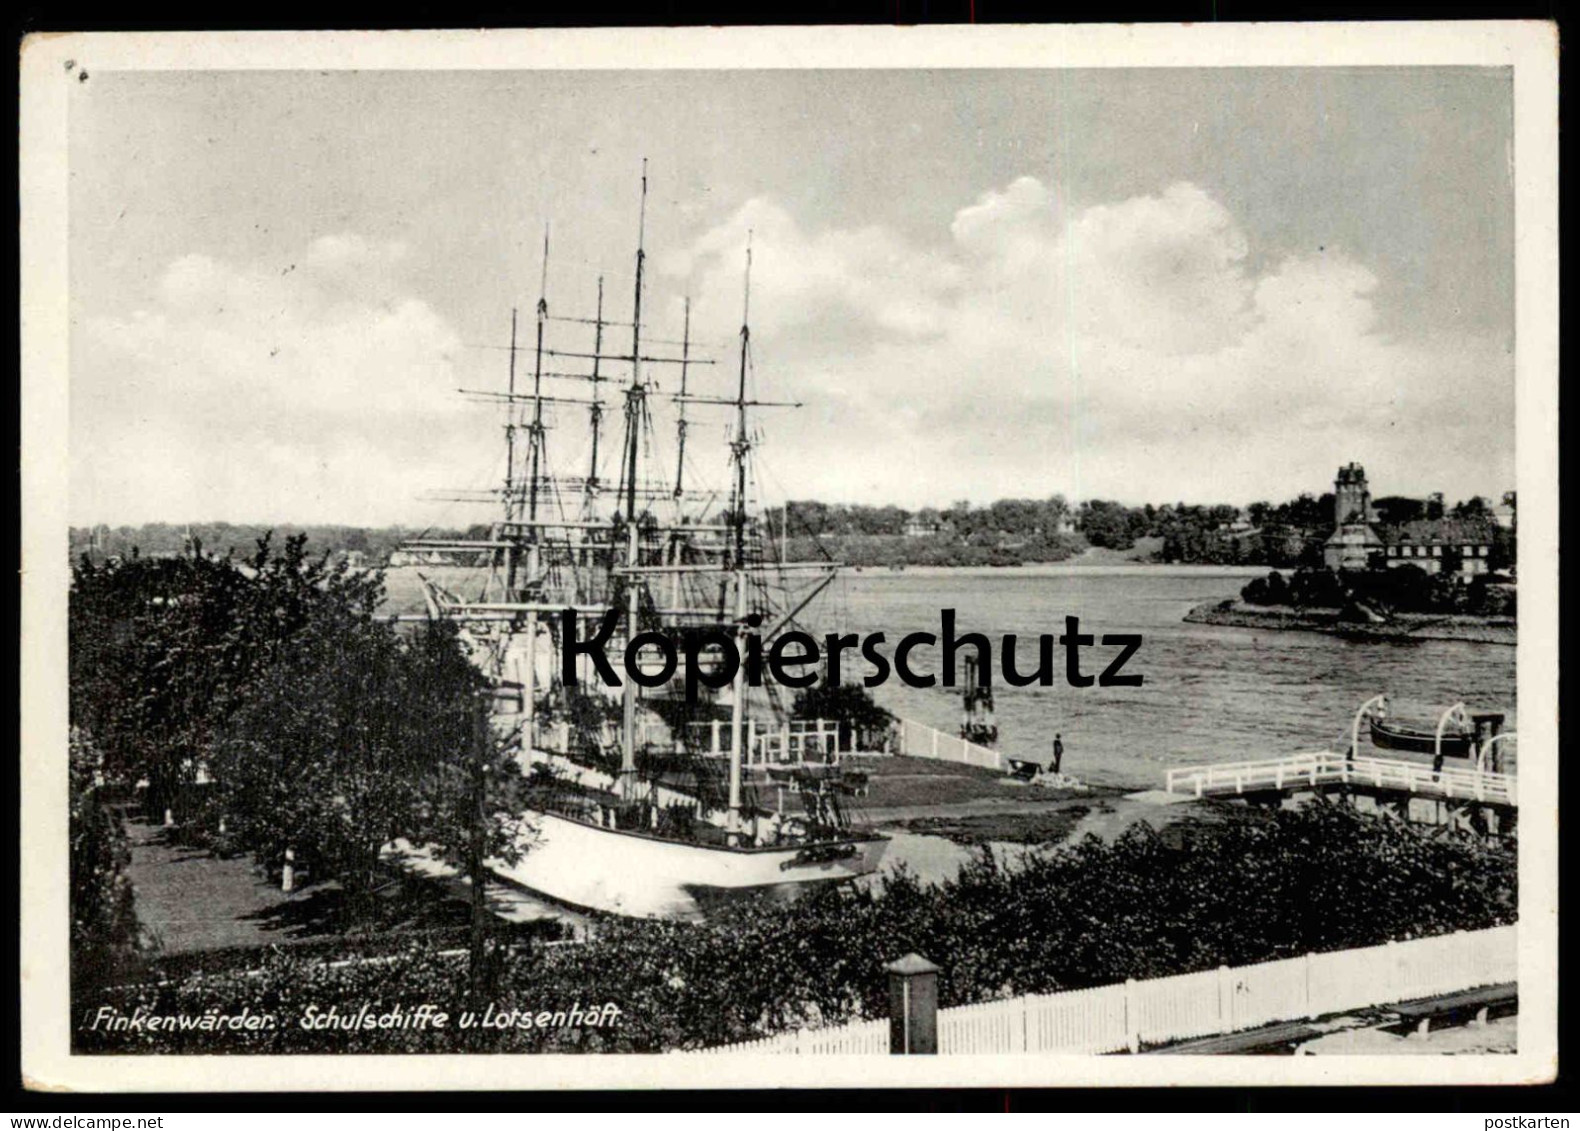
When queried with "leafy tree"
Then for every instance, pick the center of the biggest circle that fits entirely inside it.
(1107, 524)
(850, 705)
(1317, 588)
(1395, 509)
(1269, 590)
(1502, 554)
(354, 738)
(162, 650)
(105, 941)
(323, 730)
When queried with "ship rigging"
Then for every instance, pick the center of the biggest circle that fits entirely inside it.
(657, 549)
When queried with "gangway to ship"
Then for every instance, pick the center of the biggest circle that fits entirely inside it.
(1473, 794)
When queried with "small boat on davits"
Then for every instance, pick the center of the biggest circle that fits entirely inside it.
(1389, 735)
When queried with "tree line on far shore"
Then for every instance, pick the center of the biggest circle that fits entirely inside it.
(1008, 532)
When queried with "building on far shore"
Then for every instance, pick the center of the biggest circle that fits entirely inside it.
(1429, 543)
(1459, 545)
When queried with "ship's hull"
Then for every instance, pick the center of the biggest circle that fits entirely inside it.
(630, 873)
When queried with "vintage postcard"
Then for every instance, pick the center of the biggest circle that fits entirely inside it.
(790, 557)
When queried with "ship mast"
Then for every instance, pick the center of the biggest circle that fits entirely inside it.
(536, 429)
(510, 463)
(534, 544)
(590, 488)
(633, 429)
(742, 443)
(738, 451)
(680, 426)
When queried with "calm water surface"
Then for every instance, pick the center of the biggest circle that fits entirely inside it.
(1210, 694)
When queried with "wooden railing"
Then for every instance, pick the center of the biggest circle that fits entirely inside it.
(1327, 767)
(791, 741)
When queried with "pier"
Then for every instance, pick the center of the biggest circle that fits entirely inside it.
(1482, 802)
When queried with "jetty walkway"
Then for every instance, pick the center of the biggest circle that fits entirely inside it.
(1386, 779)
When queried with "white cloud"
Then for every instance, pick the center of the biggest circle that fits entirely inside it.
(1139, 349)
(1127, 349)
(317, 391)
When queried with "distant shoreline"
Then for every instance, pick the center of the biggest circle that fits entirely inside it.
(1112, 568)
(1407, 626)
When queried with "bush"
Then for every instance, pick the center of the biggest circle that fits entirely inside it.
(1269, 590)
(1251, 890)
(1317, 588)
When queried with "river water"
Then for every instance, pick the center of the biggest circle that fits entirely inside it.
(1209, 693)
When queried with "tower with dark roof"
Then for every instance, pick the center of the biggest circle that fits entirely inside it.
(1353, 541)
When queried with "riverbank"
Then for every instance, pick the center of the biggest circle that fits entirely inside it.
(1104, 566)
(1404, 626)
(1066, 819)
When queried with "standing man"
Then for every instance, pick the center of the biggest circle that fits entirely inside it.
(1058, 752)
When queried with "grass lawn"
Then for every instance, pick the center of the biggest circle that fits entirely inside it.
(897, 782)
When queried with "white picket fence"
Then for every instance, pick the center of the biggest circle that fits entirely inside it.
(918, 740)
(1126, 1015)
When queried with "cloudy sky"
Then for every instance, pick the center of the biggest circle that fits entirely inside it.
(1209, 285)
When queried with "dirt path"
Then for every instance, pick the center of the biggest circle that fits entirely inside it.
(190, 900)
(1119, 813)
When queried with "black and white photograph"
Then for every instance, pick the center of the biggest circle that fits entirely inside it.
(653, 557)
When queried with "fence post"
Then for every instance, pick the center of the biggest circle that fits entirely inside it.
(1311, 1003)
(288, 871)
(1225, 999)
(913, 1006)
(1132, 1017)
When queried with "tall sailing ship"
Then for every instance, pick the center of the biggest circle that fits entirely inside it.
(632, 816)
